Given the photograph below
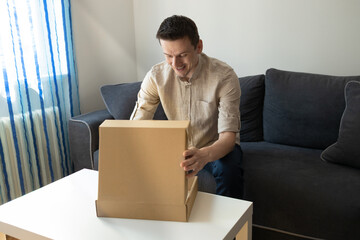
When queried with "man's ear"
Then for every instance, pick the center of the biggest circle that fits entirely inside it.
(199, 47)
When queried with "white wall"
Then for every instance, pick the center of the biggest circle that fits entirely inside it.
(115, 39)
(320, 36)
(104, 43)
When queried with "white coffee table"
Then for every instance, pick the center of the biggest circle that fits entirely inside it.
(65, 209)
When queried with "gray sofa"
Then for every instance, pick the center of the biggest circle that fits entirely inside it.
(300, 138)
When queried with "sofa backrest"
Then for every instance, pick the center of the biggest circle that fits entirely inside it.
(251, 107)
(120, 100)
(303, 109)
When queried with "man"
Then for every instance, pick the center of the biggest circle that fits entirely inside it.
(192, 86)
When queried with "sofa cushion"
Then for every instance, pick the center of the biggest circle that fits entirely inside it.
(120, 100)
(251, 107)
(303, 109)
(119, 97)
(294, 191)
(346, 150)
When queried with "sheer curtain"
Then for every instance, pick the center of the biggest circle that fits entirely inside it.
(38, 94)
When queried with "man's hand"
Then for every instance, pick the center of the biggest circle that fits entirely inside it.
(195, 160)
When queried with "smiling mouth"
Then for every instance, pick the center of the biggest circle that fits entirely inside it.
(180, 68)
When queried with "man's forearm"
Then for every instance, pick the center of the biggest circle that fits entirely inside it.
(221, 147)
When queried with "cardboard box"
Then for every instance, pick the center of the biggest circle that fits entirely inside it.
(139, 170)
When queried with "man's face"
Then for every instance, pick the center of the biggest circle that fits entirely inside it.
(181, 56)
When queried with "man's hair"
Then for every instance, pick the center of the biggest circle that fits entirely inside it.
(177, 27)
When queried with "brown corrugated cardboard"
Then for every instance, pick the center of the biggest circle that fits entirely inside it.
(139, 170)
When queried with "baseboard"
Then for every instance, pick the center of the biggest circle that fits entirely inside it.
(292, 236)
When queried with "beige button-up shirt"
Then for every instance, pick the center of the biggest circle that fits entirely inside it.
(210, 100)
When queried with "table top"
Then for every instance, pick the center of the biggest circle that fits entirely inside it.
(65, 209)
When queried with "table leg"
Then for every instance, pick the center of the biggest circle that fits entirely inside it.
(243, 233)
(249, 229)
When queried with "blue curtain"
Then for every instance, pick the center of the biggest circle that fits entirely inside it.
(38, 94)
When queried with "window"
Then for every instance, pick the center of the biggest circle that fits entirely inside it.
(32, 45)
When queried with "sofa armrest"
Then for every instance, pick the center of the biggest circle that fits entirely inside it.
(84, 138)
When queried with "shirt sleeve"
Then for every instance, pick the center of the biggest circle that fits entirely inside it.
(229, 113)
(147, 100)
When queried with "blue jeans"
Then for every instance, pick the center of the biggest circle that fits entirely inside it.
(228, 174)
